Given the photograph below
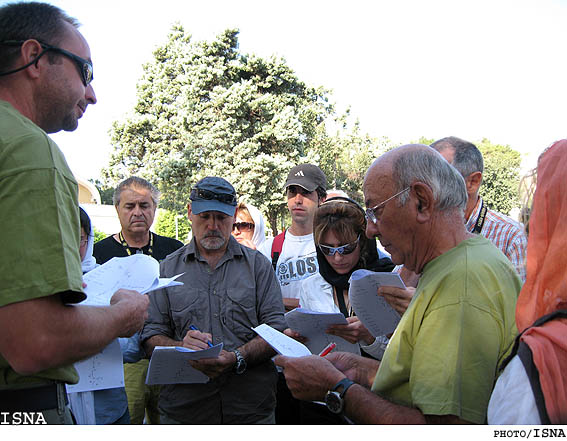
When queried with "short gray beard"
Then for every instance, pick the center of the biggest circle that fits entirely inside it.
(213, 243)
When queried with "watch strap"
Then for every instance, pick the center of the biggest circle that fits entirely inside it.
(345, 383)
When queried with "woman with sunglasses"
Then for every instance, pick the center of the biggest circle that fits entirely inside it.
(342, 247)
(249, 228)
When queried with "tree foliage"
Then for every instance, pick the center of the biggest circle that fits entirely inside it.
(501, 176)
(166, 225)
(205, 109)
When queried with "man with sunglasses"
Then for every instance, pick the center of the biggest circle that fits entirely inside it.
(228, 289)
(45, 74)
(440, 364)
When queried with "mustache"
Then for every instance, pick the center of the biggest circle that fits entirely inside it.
(214, 234)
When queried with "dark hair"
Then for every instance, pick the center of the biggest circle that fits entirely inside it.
(468, 158)
(33, 20)
(321, 193)
(85, 221)
(135, 181)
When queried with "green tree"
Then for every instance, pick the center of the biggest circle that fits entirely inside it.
(205, 109)
(172, 224)
(501, 176)
(104, 190)
(98, 235)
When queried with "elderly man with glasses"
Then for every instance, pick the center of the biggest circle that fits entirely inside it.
(228, 289)
(45, 87)
(440, 364)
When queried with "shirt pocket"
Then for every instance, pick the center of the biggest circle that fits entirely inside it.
(187, 309)
(239, 312)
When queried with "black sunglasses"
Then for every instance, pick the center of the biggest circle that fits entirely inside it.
(85, 67)
(243, 226)
(199, 193)
(343, 249)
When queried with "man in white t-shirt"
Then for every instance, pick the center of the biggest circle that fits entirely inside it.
(306, 188)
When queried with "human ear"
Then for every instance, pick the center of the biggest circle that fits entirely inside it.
(422, 198)
(473, 182)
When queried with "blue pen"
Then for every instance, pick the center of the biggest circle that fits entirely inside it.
(194, 328)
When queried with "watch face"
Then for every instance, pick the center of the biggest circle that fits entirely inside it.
(334, 402)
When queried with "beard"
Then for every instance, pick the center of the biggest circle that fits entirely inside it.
(213, 241)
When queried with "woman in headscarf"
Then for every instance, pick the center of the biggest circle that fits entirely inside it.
(339, 231)
(249, 228)
(517, 397)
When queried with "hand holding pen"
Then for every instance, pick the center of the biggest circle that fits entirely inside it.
(196, 340)
(327, 349)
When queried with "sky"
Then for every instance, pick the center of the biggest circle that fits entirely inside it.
(407, 68)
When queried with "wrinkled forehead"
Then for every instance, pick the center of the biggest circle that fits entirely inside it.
(378, 183)
(135, 195)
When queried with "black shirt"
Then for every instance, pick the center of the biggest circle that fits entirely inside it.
(108, 248)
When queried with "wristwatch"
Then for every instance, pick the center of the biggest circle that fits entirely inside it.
(334, 399)
(240, 365)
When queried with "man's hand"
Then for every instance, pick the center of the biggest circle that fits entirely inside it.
(197, 340)
(361, 370)
(290, 303)
(398, 298)
(309, 378)
(353, 332)
(133, 308)
(295, 335)
(215, 367)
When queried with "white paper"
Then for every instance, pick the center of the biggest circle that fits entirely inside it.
(282, 344)
(137, 272)
(372, 310)
(313, 324)
(101, 371)
(170, 364)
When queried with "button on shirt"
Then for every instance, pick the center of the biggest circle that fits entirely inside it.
(505, 234)
(240, 293)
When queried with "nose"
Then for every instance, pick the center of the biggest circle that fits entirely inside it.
(137, 210)
(299, 198)
(371, 229)
(90, 94)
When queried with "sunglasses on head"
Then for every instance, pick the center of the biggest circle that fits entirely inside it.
(85, 67)
(243, 226)
(343, 249)
(199, 193)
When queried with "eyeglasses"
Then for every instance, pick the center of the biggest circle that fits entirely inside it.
(343, 249)
(243, 227)
(199, 193)
(84, 241)
(371, 212)
(85, 67)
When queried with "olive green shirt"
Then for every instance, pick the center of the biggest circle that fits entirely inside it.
(39, 244)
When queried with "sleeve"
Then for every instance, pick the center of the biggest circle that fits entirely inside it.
(455, 375)
(131, 349)
(158, 321)
(40, 230)
(269, 294)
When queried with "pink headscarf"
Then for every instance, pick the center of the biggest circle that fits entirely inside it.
(545, 289)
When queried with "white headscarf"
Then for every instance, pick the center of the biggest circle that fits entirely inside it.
(259, 236)
(89, 262)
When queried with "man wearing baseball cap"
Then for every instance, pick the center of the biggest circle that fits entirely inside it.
(306, 189)
(228, 289)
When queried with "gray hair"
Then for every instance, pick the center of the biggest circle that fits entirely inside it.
(134, 181)
(468, 158)
(429, 167)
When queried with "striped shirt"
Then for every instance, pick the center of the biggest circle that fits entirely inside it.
(505, 233)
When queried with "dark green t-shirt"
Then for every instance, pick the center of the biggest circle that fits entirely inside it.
(39, 243)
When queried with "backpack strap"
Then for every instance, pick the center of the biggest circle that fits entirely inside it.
(277, 246)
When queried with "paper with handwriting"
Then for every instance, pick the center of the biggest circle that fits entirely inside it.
(170, 364)
(137, 272)
(313, 324)
(372, 310)
(281, 343)
(101, 371)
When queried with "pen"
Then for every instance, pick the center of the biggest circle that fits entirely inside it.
(194, 328)
(328, 349)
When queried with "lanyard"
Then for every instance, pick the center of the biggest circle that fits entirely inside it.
(480, 220)
(138, 250)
